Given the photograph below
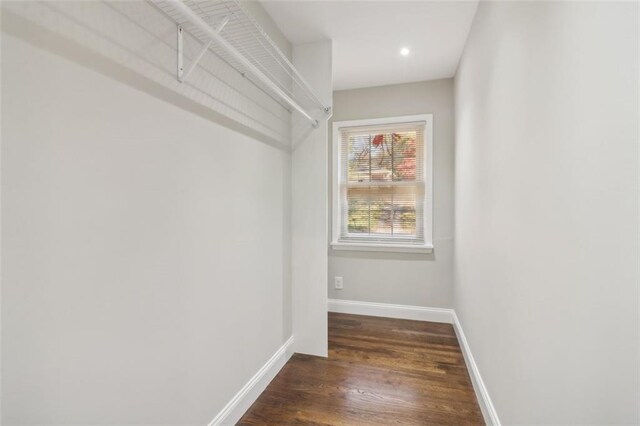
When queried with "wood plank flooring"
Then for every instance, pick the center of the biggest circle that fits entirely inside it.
(380, 371)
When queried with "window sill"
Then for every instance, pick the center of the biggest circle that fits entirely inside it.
(395, 248)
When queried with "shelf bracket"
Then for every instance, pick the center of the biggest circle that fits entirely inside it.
(244, 63)
(182, 74)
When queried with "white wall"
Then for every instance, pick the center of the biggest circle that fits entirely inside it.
(546, 223)
(310, 205)
(134, 288)
(403, 278)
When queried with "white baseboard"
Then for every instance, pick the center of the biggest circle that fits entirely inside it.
(418, 313)
(488, 410)
(240, 403)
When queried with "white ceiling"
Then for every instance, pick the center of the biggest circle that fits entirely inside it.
(368, 35)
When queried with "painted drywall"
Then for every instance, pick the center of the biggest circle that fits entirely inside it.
(134, 288)
(546, 218)
(403, 278)
(310, 205)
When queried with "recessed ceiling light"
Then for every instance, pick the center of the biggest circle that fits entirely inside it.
(404, 51)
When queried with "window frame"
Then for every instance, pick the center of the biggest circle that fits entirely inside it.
(427, 150)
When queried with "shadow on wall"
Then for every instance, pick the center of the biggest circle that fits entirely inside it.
(136, 46)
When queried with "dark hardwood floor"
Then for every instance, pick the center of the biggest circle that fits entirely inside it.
(380, 371)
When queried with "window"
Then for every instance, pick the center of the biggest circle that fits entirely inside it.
(382, 193)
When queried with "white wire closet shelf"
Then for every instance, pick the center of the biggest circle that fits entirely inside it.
(226, 28)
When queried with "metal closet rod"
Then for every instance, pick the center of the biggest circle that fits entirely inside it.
(246, 64)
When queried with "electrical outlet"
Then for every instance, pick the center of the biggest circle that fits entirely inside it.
(338, 283)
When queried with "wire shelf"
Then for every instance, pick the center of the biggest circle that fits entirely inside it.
(241, 31)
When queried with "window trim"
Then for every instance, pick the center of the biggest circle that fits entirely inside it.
(427, 247)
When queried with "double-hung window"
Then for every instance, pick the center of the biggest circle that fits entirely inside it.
(382, 189)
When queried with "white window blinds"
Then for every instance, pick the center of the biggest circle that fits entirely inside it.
(382, 183)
